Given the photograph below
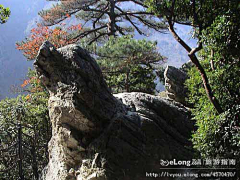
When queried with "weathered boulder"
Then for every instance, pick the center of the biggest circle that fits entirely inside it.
(98, 136)
(174, 84)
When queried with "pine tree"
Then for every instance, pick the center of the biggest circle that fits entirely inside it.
(128, 64)
(103, 18)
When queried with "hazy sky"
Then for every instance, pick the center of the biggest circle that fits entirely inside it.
(13, 66)
(24, 13)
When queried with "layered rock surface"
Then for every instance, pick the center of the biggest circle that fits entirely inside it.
(174, 84)
(98, 136)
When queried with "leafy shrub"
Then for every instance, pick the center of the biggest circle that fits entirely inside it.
(218, 135)
(31, 112)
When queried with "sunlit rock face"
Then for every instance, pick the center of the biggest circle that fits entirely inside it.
(100, 136)
(174, 84)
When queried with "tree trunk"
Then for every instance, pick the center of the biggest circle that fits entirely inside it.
(112, 21)
(211, 62)
(206, 84)
(20, 153)
(195, 61)
(127, 82)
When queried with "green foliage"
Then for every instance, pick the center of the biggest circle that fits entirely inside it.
(216, 25)
(163, 9)
(195, 13)
(137, 79)
(218, 135)
(4, 14)
(128, 63)
(223, 36)
(31, 111)
(104, 18)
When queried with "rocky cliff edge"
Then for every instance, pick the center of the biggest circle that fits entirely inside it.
(100, 136)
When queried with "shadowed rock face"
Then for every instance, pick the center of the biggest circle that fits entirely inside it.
(98, 136)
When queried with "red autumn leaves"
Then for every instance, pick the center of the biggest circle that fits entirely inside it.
(59, 37)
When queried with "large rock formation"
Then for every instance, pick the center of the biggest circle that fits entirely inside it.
(174, 84)
(98, 136)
